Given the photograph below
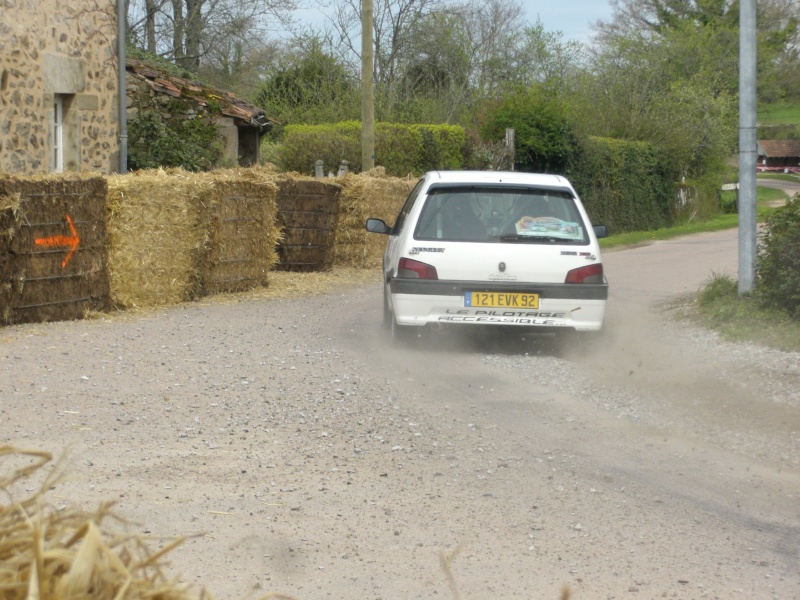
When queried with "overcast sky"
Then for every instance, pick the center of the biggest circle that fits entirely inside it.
(572, 17)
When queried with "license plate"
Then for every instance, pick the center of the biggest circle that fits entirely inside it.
(500, 300)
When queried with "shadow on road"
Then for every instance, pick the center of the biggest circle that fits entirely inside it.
(496, 340)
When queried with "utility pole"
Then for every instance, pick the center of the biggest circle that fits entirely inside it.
(748, 151)
(122, 86)
(367, 96)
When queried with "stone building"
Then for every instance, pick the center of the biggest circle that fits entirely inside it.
(239, 124)
(58, 86)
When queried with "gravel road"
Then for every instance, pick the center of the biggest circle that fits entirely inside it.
(313, 458)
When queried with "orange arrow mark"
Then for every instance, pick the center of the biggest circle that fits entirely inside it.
(62, 241)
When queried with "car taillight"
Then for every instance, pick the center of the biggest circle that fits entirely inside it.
(588, 274)
(413, 269)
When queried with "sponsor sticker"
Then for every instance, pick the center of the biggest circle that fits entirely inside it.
(419, 250)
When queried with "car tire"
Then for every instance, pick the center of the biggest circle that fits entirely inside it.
(405, 334)
(388, 318)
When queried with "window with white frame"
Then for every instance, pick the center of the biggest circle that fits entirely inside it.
(58, 134)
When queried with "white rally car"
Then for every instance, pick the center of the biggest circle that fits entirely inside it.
(493, 248)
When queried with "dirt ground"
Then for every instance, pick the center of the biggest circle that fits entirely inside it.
(315, 459)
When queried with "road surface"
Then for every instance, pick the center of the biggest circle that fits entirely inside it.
(317, 460)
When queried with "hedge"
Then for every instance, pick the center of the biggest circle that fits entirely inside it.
(625, 185)
(629, 186)
(400, 149)
(778, 261)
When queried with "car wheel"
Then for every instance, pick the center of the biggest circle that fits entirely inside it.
(388, 319)
(405, 334)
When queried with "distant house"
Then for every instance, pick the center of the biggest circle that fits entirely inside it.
(59, 92)
(778, 154)
(58, 87)
(240, 123)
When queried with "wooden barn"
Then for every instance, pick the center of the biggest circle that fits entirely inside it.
(778, 154)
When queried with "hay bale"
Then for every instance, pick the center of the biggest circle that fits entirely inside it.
(53, 247)
(155, 237)
(370, 194)
(176, 236)
(239, 215)
(307, 216)
(47, 552)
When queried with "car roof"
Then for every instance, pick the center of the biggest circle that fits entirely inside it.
(498, 177)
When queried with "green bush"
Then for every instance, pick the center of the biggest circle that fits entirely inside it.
(778, 260)
(544, 139)
(442, 147)
(304, 145)
(309, 86)
(192, 144)
(625, 185)
(728, 203)
(400, 149)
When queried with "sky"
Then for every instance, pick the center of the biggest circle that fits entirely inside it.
(572, 17)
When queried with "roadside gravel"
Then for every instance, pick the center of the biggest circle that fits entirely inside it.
(308, 456)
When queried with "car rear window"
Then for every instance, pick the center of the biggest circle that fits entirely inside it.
(494, 214)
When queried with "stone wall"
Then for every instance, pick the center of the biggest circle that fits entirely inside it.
(58, 49)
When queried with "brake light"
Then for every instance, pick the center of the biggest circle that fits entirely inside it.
(413, 269)
(588, 274)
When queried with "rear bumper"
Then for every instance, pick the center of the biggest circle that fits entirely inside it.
(572, 306)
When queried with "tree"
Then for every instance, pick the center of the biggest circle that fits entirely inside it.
(433, 76)
(494, 29)
(392, 22)
(436, 59)
(546, 58)
(660, 21)
(544, 138)
(241, 65)
(673, 92)
(310, 87)
(187, 31)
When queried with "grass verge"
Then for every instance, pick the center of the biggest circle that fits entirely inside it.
(719, 307)
(764, 200)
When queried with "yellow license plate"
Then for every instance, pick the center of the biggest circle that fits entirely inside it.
(500, 300)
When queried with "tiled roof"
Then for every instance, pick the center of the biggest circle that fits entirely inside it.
(229, 104)
(779, 148)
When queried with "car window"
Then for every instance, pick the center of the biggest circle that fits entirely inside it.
(409, 203)
(493, 214)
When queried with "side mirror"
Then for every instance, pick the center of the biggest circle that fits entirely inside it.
(600, 231)
(377, 226)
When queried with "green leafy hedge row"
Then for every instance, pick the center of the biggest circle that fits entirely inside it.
(625, 185)
(628, 186)
(778, 261)
(400, 149)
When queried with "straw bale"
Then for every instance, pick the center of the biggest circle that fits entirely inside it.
(68, 553)
(53, 247)
(301, 258)
(239, 215)
(370, 194)
(307, 215)
(155, 236)
(304, 220)
(177, 235)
